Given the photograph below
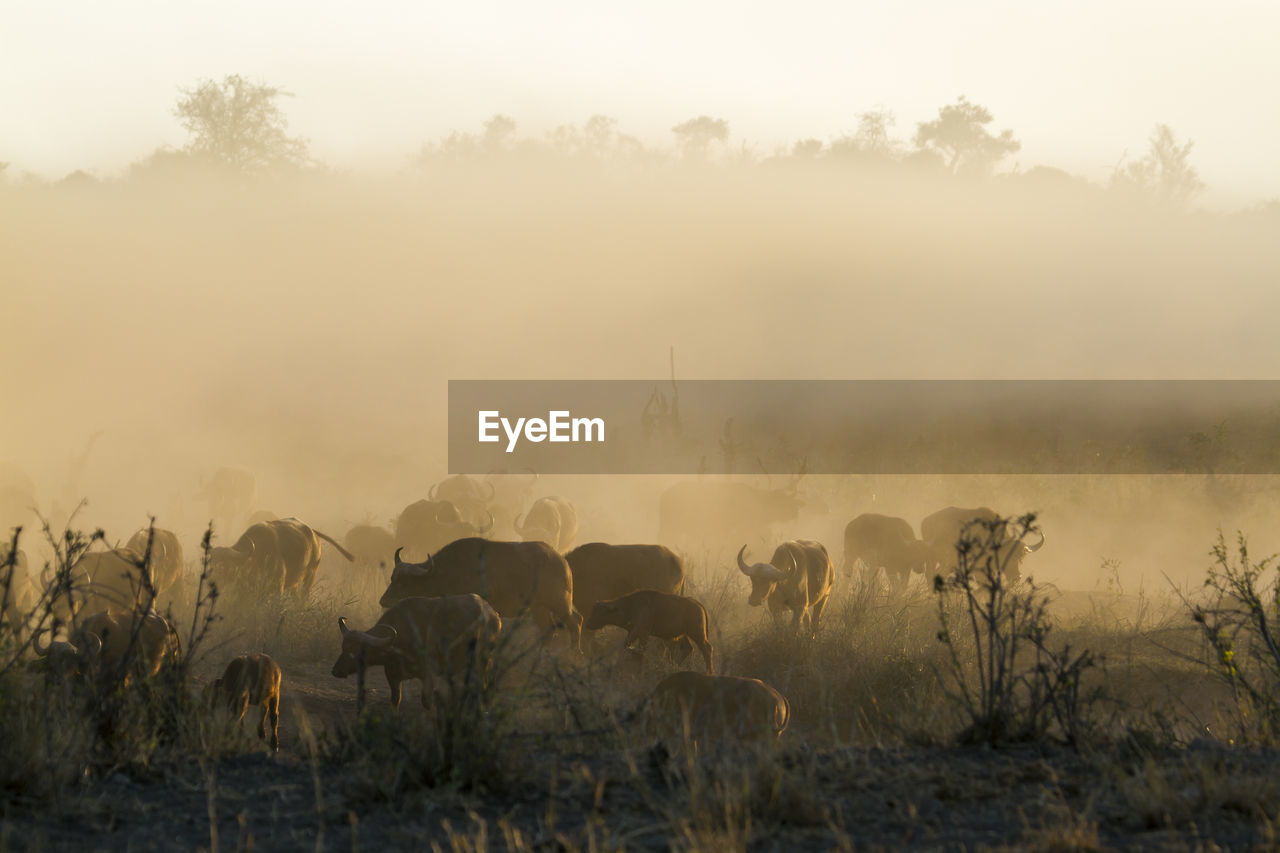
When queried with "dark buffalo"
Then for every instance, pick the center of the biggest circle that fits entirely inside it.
(602, 572)
(274, 557)
(469, 495)
(648, 613)
(421, 638)
(942, 531)
(512, 576)
(882, 542)
(721, 709)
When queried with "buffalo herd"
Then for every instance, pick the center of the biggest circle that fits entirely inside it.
(450, 590)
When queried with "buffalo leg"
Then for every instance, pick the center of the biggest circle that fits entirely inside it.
(272, 716)
(704, 646)
(815, 617)
(393, 684)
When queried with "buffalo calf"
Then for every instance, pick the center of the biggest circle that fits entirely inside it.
(650, 613)
(251, 680)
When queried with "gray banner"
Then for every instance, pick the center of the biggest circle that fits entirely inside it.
(865, 427)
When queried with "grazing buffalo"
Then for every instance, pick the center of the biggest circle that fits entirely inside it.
(602, 572)
(421, 638)
(695, 513)
(426, 526)
(798, 578)
(718, 708)
(251, 680)
(103, 640)
(273, 557)
(467, 494)
(552, 520)
(882, 542)
(512, 576)
(943, 530)
(650, 613)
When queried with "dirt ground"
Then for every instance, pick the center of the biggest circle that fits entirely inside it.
(858, 797)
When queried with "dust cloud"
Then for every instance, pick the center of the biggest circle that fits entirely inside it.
(304, 327)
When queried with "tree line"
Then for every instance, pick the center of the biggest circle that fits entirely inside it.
(238, 128)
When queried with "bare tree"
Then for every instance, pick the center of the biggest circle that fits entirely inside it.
(872, 139)
(1165, 174)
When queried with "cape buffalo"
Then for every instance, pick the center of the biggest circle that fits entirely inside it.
(470, 496)
(426, 526)
(882, 542)
(103, 640)
(722, 708)
(602, 571)
(942, 531)
(798, 578)
(552, 520)
(512, 576)
(420, 638)
(113, 579)
(274, 557)
(251, 680)
(649, 613)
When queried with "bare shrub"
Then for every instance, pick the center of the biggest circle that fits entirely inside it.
(1239, 625)
(1009, 681)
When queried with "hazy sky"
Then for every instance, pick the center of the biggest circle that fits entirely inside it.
(92, 85)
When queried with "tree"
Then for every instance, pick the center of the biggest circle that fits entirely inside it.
(598, 139)
(872, 140)
(497, 139)
(694, 137)
(239, 126)
(1165, 175)
(960, 137)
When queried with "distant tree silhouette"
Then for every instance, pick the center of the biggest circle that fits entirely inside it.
(1164, 175)
(598, 139)
(694, 137)
(960, 137)
(238, 125)
(497, 138)
(872, 139)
